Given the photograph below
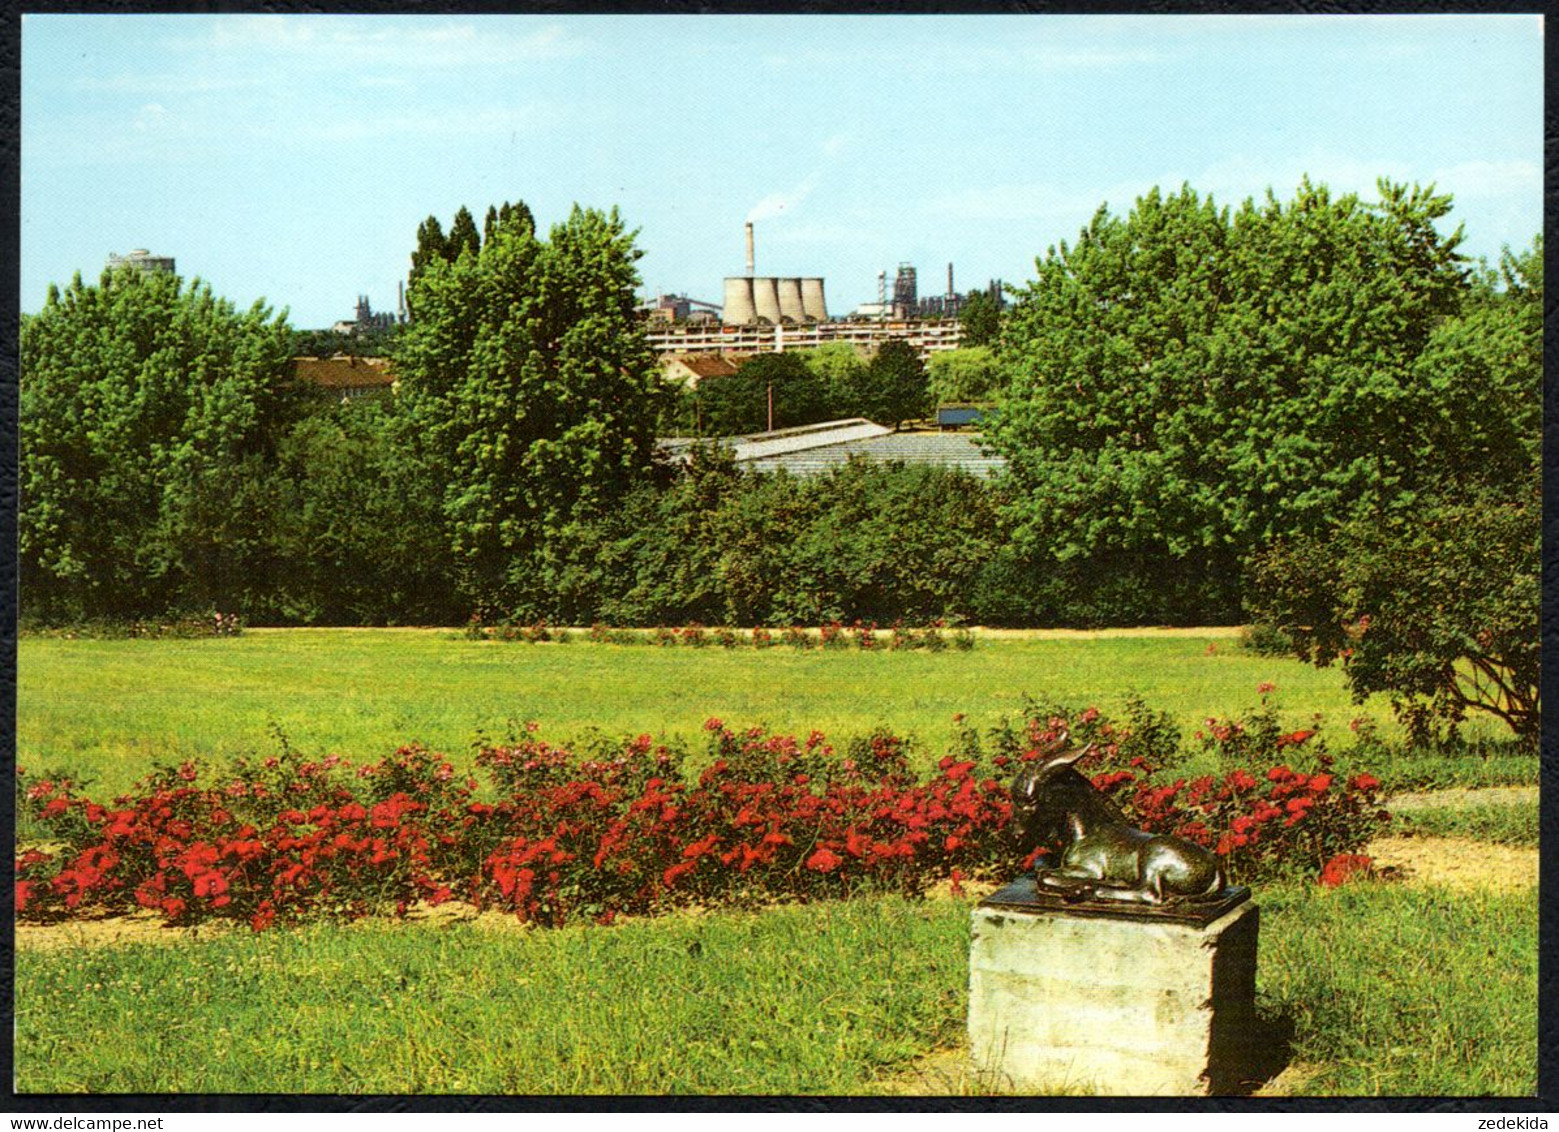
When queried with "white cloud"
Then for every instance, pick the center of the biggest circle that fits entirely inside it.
(497, 123)
(408, 43)
(789, 199)
(1090, 58)
(776, 203)
(149, 117)
(165, 83)
(1480, 180)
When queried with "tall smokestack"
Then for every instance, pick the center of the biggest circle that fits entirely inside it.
(749, 248)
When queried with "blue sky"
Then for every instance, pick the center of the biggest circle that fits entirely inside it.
(292, 157)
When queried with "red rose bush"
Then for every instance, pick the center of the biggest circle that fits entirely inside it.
(556, 834)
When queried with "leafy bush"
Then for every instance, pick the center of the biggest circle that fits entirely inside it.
(1440, 611)
(1266, 640)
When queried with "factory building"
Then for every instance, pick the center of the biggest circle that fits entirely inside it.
(774, 313)
(925, 336)
(366, 320)
(758, 300)
(142, 260)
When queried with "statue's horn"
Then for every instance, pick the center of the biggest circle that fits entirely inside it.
(1065, 759)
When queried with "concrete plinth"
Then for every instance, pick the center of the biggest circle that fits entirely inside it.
(1109, 1005)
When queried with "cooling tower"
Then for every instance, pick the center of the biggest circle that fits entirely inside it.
(765, 297)
(738, 310)
(812, 300)
(790, 300)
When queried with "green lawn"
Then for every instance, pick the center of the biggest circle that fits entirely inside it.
(113, 708)
(1386, 990)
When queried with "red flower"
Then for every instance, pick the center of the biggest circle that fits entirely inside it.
(670, 877)
(1320, 782)
(1364, 782)
(824, 861)
(210, 884)
(1345, 867)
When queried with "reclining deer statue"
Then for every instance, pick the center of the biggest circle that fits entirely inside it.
(1102, 857)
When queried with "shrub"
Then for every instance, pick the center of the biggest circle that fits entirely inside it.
(1439, 611)
(797, 637)
(1266, 640)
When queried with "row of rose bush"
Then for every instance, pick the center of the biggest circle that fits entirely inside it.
(556, 834)
(866, 636)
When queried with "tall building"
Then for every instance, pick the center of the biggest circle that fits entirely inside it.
(904, 292)
(142, 260)
(366, 320)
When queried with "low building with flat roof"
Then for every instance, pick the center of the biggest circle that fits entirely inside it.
(814, 449)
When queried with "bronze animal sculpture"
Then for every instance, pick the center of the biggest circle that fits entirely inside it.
(1102, 857)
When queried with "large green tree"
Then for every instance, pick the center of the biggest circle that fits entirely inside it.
(1438, 606)
(149, 414)
(894, 388)
(463, 236)
(966, 374)
(739, 403)
(1438, 611)
(535, 393)
(980, 316)
(362, 526)
(1187, 386)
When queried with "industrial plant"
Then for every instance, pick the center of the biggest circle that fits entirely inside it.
(770, 313)
(753, 299)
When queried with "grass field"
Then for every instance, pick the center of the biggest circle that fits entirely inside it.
(1384, 989)
(113, 708)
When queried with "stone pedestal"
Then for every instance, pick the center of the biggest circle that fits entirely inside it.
(1110, 1004)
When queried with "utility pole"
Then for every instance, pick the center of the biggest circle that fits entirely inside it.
(771, 406)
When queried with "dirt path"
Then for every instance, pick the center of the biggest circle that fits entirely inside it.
(1455, 862)
(1221, 632)
(1464, 798)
